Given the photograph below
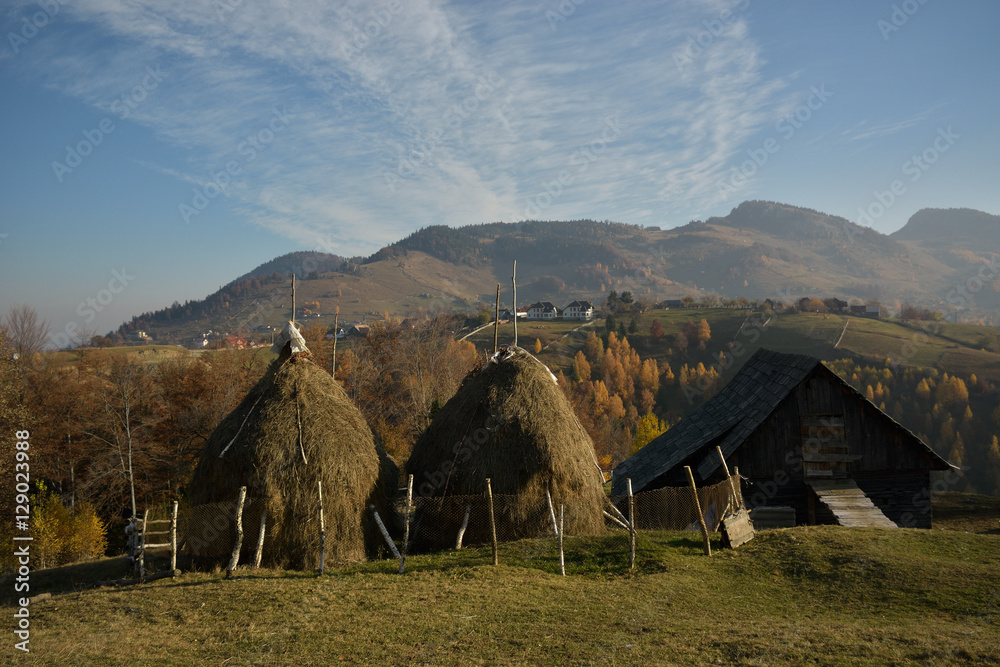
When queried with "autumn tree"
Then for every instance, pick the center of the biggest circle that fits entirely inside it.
(581, 367)
(656, 329)
(27, 332)
(538, 346)
(648, 428)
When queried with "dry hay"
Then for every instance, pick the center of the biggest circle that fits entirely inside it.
(509, 422)
(295, 427)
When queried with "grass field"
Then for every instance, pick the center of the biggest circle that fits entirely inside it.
(808, 595)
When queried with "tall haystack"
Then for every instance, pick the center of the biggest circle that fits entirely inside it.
(509, 422)
(297, 426)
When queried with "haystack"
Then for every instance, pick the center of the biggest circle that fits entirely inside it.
(510, 422)
(297, 426)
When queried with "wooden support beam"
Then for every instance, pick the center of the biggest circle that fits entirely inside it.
(260, 539)
(732, 485)
(385, 533)
(493, 521)
(173, 537)
(234, 558)
(697, 506)
(562, 558)
(461, 529)
(406, 529)
(322, 529)
(631, 524)
(552, 514)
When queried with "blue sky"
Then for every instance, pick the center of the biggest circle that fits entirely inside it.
(181, 143)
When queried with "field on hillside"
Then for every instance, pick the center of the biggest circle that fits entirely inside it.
(808, 595)
(942, 346)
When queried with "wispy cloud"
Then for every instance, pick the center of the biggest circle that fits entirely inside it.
(863, 130)
(424, 112)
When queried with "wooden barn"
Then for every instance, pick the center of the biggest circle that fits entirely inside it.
(803, 438)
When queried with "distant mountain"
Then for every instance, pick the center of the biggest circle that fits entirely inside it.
(761, 249)
(964, 226)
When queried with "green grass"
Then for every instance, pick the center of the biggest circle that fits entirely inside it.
(808, 595)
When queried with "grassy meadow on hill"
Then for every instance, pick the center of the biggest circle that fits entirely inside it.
(806, 595)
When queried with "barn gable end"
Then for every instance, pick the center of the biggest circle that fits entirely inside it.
(785, 420)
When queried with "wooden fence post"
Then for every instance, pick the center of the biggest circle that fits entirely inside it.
(173, 537)
(562, 559)
(234, 559)
(493, 522)
(322, 530)
(260, 539)
(631, 524)
(406, 528)
(697, 507)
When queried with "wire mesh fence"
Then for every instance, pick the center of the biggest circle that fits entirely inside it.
(528, 528)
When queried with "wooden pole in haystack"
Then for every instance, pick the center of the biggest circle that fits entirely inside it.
(336, 329)
(697, 506)
(406, 528)
(322, 530)
(562, 559)
(260, 540)
(496, 322)
(732, 484)
(173, 537)
(293, 299)
(234, 559)
(493, 521)
(513, 281)
(631, 524)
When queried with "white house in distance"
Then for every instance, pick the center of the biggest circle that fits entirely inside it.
(579, 310)
(542, 310)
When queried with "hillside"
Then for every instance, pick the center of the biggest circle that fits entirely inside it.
(760, 250)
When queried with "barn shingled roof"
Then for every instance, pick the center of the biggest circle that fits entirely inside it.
(729, 418)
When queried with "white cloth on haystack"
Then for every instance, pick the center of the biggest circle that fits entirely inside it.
(290, 334)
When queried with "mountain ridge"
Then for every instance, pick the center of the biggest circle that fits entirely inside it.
(760, 249)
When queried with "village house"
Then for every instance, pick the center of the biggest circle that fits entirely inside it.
(579, 310)
(542, 310)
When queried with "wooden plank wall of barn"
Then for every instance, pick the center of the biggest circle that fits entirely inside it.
(893, 470)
